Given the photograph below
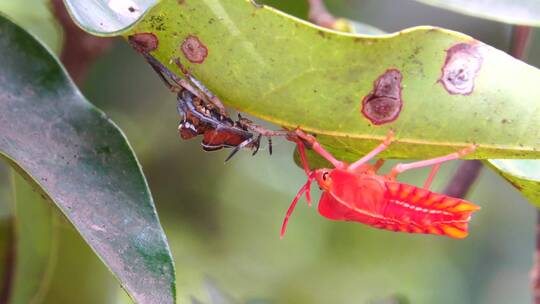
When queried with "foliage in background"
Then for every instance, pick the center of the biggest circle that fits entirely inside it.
(81, 161)
(209, 229)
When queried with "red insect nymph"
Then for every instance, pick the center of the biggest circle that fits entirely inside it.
(354, 192)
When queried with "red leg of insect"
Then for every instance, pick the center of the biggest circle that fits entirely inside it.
(378, 164)
(374, 152)
(432, 174)
(400, 168)
(302, 152)
(315, 146)
(306, 188)
(305, 164)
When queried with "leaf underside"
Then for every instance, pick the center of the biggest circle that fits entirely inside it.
(316, 79)
(292, 73)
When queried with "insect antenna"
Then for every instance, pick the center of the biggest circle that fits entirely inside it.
(306, 189)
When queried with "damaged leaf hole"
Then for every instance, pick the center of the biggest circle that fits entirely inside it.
(384, 103)
(194, 50)
(461, 66)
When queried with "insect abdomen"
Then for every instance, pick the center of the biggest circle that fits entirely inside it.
(412, 209)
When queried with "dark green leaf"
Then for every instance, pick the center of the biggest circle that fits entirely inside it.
(83, 163)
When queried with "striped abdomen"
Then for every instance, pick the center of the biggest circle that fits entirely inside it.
(412, 209)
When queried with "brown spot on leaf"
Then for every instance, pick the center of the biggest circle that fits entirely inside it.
(384, 103)
(194, 50)
(462, 64)
(143, 42)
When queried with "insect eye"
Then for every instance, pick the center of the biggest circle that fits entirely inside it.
(325, 176)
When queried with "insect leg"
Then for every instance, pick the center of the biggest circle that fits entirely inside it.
(317, 148)
(378, 164)
(303, 157)
(257, 144)
(210, 97)
(181, 107)
(304, 188)
(432, 174)
(163, 71)
(399, 168)
(240, 146)
(374, 152)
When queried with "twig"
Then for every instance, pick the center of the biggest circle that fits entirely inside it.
(463, 179)
(319, 15)
(80, 49)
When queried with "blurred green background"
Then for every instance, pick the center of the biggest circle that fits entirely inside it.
(223, 220)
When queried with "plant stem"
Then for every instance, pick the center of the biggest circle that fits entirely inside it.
(465, 176)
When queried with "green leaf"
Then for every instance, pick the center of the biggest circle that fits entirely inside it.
(524, 175)
(522, 12)
(107, 17)
(35, 243)
(294, 74)
(82, 162)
